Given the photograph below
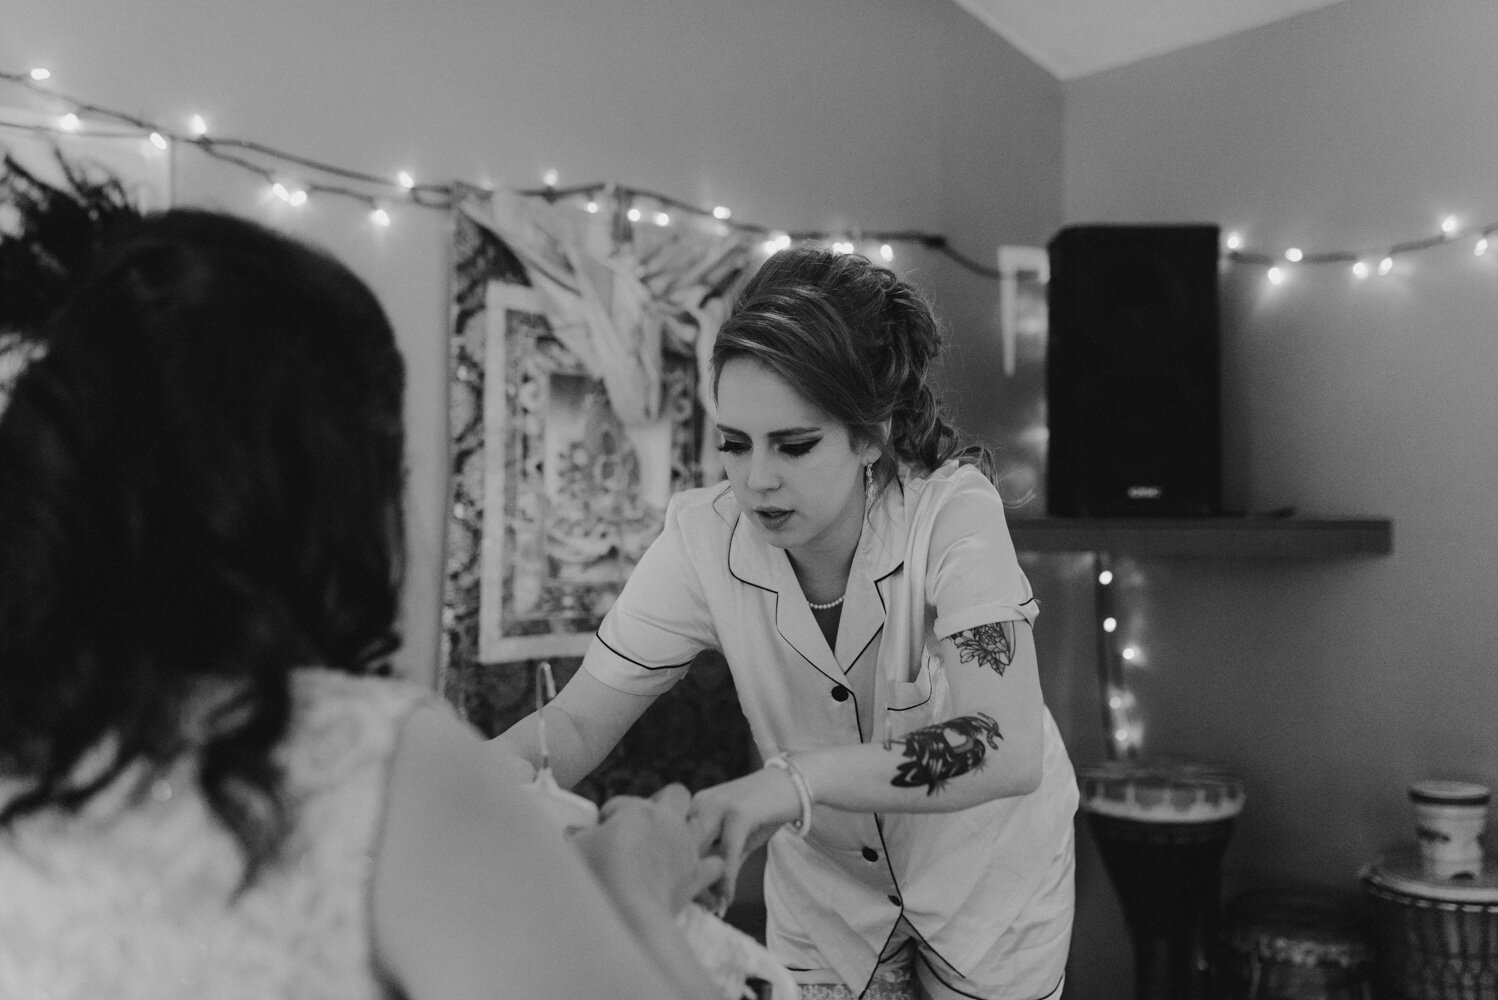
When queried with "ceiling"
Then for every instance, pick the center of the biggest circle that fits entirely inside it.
(1072, 38)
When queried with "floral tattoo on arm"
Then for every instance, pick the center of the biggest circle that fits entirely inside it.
(991, 645)
(941, 752)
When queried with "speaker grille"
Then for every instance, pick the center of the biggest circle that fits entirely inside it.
(1133, 395)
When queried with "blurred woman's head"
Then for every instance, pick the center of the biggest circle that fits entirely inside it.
(201, 490)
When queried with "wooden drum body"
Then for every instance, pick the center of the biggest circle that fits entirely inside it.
(1435, 938)
(1283, 945)
(1162, 831)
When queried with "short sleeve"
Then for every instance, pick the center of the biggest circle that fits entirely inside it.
(972, 574)
(660, 620)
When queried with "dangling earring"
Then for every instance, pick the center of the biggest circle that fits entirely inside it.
(868, 484)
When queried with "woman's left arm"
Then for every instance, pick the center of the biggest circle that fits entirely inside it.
(990, 748)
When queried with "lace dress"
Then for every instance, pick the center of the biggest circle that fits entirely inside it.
(134, 898)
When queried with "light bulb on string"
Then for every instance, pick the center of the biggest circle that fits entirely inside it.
(1360, 269)
(380, 217)
(662, 219)
(1105, 577)
(633, 215)
(1386, 265)
(1480, 247)
(289, 192)
(198, 126)
(1449, 225)
(158, 140)
(1294, 255)
(1275, 276)
(405, 180)
(1110, 624)
(41, 73)
(1235, 241)
(592, 207)
(549, 178)
(69, 122)
(722, 213)
(1129, 652)
(886, 252)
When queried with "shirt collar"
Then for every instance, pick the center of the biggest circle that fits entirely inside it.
(881, 544)
(880, 552)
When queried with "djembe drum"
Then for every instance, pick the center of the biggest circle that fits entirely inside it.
(1434, 937)
(1162, 831)
(1292, 945)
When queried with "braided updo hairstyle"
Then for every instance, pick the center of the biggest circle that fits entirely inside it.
(857, 342)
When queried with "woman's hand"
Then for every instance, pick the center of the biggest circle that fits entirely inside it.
(737, 817)
(510, 763)
(646, 846)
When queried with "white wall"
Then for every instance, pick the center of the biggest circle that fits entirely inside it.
(1329, 686)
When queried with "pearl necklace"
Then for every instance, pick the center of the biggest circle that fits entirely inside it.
(825, 607)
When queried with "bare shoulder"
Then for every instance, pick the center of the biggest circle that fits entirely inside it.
(463, 852)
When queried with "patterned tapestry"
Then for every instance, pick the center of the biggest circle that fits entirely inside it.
(578, 344)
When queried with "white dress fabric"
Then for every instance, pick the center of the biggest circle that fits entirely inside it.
(135, 897)
(988, 889)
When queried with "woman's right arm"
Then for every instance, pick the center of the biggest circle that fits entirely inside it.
(475, 895)
(585, 722)
(658, 623)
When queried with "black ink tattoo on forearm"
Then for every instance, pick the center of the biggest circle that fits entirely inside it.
(945, 750)
(991, 645)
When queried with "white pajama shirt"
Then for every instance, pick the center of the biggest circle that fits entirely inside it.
(987, 889)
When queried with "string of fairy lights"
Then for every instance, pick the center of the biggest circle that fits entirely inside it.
(295, 180)
(1363, 263)
(1121, 722)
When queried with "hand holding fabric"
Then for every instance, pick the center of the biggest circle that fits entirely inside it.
(647, 846)
(738, 817)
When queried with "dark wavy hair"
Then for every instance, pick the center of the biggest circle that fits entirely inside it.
(201, 491)
(59, 229)
(853, 339)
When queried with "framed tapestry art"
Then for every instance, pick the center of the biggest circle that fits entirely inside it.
(577, 351)
(573, 497)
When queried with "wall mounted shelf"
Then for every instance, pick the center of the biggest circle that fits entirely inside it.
(1261, 537)
(1207, 537)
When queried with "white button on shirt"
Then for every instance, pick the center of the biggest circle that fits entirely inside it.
(960, 878)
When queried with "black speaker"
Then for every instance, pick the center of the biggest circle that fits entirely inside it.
(1133, 390)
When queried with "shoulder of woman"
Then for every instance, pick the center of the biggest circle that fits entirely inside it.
(347, 722)
(951, 481)
(704, 509)
(323, 690)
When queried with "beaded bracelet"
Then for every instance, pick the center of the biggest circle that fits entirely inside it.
(801, 826)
